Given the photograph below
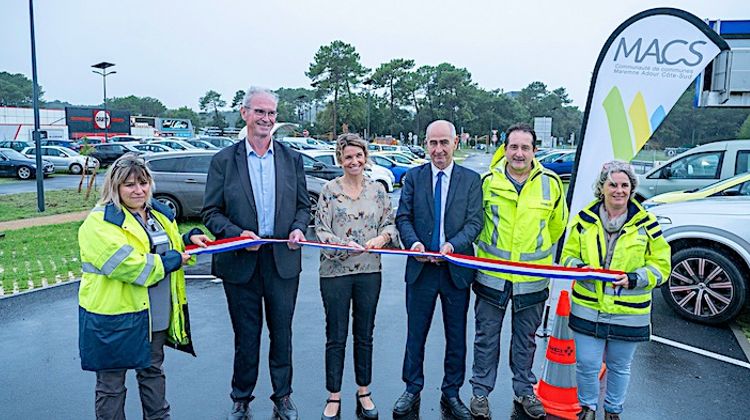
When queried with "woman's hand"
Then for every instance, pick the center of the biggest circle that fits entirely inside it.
(359, 248)
(622, 281)
(377, 242)
(200, 240)
(185, 256)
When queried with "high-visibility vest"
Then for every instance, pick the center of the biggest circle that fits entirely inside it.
(521, 227)
(640, 249)
(118, 267)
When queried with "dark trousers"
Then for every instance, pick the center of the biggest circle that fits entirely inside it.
(110, 387)
(246, 303)
(421, 298)
(361, 293)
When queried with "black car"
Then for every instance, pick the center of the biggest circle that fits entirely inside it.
(417, 151)
(70, 144)
(107, 153)
(318, 169)
(13, 163)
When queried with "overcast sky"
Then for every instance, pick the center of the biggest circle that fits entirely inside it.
(177, 50)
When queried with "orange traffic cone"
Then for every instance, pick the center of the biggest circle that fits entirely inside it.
(557, 389)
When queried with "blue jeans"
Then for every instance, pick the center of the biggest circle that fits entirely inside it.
(590, 352)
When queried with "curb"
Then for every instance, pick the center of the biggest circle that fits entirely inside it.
(742, 340)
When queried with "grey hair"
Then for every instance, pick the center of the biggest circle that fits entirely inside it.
(253, 91)
(605, 175)
(430, 126)
(124, 167)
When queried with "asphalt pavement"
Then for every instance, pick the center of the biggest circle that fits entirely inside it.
(41, 376)
(54, 182)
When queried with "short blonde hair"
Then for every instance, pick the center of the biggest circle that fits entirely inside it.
(350, 139)
(605, 175)
(127, 165)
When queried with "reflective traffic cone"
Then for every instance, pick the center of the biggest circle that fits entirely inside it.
(557, 389)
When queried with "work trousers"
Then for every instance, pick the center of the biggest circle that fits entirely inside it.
(617, 354)
(360, 292)
(265, 290)
(110, 387)
(489, 323)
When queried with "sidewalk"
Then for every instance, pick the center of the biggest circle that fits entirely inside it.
(42, 221)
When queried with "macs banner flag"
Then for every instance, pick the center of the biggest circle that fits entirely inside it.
(642, 70)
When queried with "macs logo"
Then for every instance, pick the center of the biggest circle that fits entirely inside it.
(676, 51)
(635, 119)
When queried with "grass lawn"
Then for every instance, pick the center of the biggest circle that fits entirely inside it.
(744, 322)
(23, 205)
(45, 255)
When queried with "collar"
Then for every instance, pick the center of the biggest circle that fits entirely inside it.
(250, 150)
(447, 171)
(116, 216)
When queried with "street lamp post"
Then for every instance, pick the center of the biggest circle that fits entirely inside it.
(103, 66)
(369, 83)
(35, 104)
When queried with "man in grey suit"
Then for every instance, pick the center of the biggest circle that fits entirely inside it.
(256, 188)
(440, 210)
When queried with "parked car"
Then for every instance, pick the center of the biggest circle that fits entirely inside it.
(696, 168)
(180, 180)
(403, 158)
(150, 147)
(16, 145)
(220, 142)
(175, 144)
(107, 153)
(201, 144)
(63, 158)
(377, 147)
(397, 169)
(297, 146)
(375, 172)
(561, 163)
(13, 163)
(93, 139)
(736, 185)
(318, 169)
(70, 144)
(307, 141)
(417, 150)
(710, 257)
(126, 139)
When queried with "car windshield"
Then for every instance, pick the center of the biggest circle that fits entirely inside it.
(12, 154)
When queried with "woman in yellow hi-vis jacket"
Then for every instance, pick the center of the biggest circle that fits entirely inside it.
(132, 293)
(609, 319)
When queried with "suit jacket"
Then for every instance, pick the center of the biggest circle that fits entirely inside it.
(463, 217)
(229, 208)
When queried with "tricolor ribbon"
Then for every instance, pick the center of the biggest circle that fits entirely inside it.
(486, 264)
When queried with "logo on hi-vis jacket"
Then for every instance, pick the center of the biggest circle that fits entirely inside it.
(625, 144)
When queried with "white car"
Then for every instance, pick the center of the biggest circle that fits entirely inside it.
(308, 141)
(176, 144)
(375, 172)
(63, 158)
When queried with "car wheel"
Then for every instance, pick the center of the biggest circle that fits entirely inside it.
(384, 184)
(171, 203)
(76, 168)
(705, 286)
(24, 172)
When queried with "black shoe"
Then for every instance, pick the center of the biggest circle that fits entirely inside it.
(531, 406)
(454, 408)
(336, 416)
(586, 413)
(365, 414)
(240, 411)
(284, 409)
(611, 416)
(406, 403)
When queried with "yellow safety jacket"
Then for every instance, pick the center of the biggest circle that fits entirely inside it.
(521, 227)
(118, 268)
(640, 250)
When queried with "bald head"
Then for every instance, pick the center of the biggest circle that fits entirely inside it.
(441, 142)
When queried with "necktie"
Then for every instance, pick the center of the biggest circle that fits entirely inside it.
(435, 246)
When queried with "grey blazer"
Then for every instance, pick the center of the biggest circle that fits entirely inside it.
(229, 208)
(462, 223)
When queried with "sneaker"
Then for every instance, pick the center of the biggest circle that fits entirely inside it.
(480, 407)
(587, 413)
(611, 416)
(531, 406)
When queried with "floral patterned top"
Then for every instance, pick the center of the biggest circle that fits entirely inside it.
(340, 219)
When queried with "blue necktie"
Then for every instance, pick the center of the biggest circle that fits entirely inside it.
(435, 246)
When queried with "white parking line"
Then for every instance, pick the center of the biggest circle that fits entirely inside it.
(702, 352)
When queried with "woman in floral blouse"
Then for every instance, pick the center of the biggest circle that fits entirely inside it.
(356, 211)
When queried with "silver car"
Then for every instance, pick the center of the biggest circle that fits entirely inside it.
(63, 158)
(710, 256)
(180, 179)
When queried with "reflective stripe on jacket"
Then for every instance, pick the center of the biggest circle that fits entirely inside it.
(522, 227)
(117, 270)
(640, 249)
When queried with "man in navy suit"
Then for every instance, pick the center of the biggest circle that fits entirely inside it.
(440, 210)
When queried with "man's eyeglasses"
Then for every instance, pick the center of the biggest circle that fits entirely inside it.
(260, 113)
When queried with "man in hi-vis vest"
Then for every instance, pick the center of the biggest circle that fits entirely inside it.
(525, 213)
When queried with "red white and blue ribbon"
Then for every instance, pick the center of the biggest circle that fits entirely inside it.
(486, 264)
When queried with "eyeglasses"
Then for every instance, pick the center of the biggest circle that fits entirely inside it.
(260, 113)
